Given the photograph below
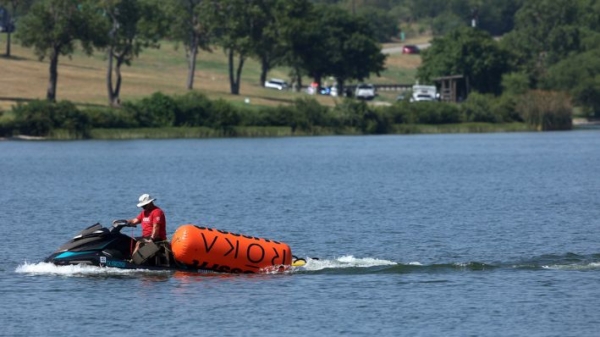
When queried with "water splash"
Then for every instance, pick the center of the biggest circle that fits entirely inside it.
(348, 264)
(44, 268)
(347, 261)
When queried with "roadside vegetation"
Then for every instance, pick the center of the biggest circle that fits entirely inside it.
(154, 69)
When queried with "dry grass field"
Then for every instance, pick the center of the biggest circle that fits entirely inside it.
(82, 78)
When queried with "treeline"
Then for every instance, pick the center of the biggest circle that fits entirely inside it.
(537, 110)
(553, 47)
(311, 40)
(438, 16)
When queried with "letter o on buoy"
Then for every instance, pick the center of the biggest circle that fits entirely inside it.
(249, 253)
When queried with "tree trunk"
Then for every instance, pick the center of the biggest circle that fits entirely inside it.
(112, 97)
(230, 66)
(192, 54)
(298, 76)
(51, 93)
(234, 78)
(8, 45)
(340, 86)
(109, 70)
(117, 89)
(238, 74)
(264, 69)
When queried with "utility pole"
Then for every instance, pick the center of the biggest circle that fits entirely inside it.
(474, 16)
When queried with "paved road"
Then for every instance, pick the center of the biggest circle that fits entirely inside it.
(395, 50)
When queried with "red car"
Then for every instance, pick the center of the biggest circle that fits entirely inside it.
(410, 49)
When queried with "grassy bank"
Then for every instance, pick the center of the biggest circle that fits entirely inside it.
(81, 79)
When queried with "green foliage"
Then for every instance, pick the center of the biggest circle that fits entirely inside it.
(53, 27)
(505, 108)
(350, 50)
(194, 109)
(424, 113)
(382, 23)
(279, 116)
(56, 25)
(308, 113)
(163, 108)
(548, 31)
(377, 121)
(350, 113)
(110, 118)
(578, 75)
(469, 52)
(41, 118)
(445, 23)
(479, 108)
(224, 116)
(515, 83)
(587, 93)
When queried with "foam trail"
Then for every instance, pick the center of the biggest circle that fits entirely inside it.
(347, 261)
(582, 267)
(44, 268)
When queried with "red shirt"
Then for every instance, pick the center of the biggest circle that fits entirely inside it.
(148, 218)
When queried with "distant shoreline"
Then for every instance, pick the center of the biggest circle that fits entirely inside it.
(175, 133)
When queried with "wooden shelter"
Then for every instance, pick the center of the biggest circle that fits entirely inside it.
(452, 88)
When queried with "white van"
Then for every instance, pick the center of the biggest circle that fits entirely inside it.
(276, 83)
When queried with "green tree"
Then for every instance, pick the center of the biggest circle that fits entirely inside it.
(15, 8)
(470, 52)
(545, 32)
(265, 37)
(52, 28)
(383, 24)
(346, 48)
(190, 27)
(234, 25)
(301, 41)
(135, 25)
(580, 76)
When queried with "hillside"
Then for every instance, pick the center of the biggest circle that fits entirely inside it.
(81, 79)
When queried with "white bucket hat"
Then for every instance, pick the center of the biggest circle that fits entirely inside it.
(145, 199)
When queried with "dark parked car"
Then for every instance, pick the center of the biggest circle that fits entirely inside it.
(410, 49)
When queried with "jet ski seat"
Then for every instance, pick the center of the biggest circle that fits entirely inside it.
(153, 253)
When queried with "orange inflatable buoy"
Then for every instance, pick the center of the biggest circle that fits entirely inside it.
(221, 251)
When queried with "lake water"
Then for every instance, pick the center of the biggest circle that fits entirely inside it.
(425, 235)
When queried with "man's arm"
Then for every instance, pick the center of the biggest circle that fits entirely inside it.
(154, 231)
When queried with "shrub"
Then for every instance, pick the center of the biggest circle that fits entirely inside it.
(158, 110)
(378, 121)
(279, 116)
(505, 107)
(479, 108)
(40, 118)
(111, 118)
(350, 113)
(224, 116)
(424, 113)
(194, 109)
(546, 110)
(308, 113)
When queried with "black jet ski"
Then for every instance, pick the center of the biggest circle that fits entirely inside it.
(108, 247)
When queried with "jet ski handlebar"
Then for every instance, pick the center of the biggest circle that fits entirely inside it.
(118, 224)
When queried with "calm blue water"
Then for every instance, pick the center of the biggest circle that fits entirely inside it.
(429, 235)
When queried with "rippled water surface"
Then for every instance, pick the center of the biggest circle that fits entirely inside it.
(429, 235)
